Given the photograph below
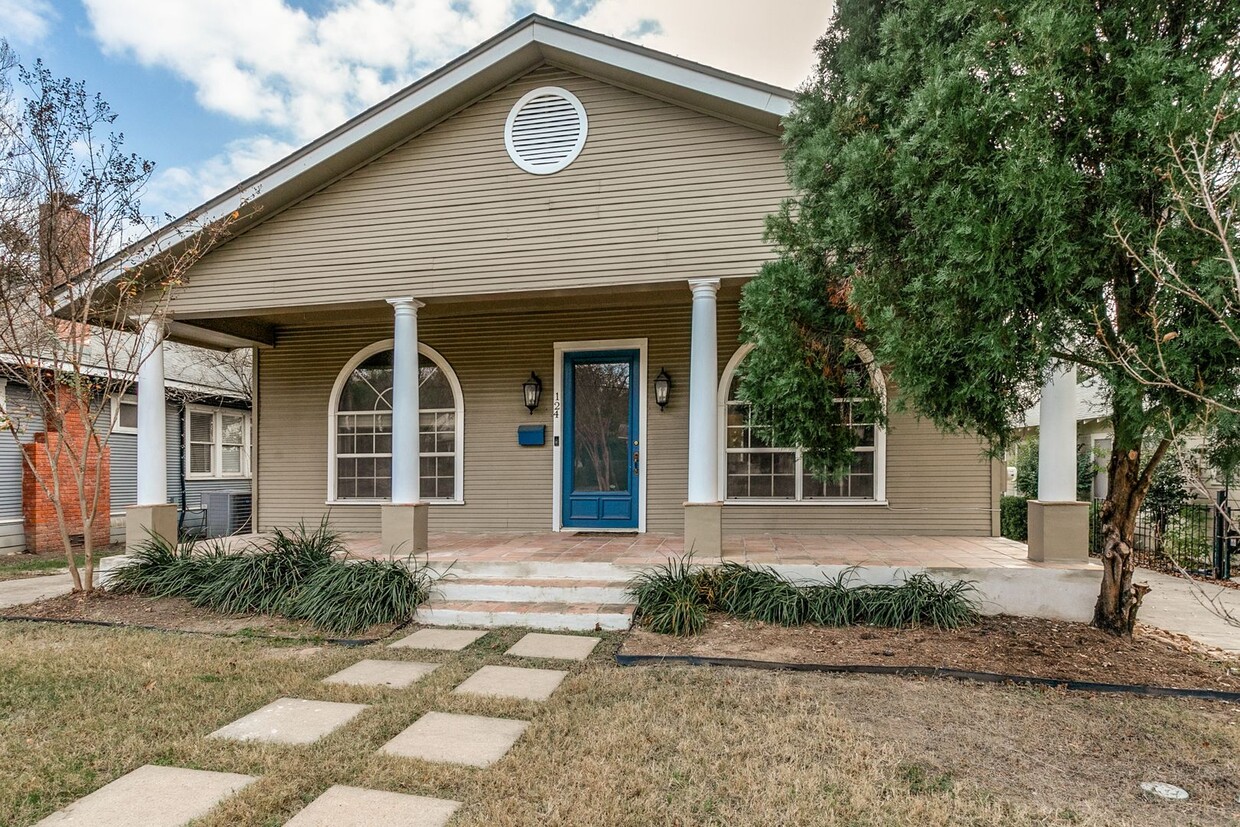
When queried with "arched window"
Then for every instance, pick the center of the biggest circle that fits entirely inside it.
(753, 470)
(360, 428)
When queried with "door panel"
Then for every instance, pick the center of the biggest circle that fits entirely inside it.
(601, 449)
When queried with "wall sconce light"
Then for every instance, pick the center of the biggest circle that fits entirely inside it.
(662, 388)
(533, 391)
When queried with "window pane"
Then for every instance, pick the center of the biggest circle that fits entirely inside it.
(201, 427)
(127, 415)
(434, 390)
(230, 459)
(232, 429)
(200, 458)
(369, 388)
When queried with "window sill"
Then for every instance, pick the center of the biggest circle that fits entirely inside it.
(334, 503)
(213, 477)
(128, 431)
(834, 503)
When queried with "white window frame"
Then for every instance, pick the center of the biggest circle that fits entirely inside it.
(879, 449)
(333, 410)
(217, 441)
(117, 401)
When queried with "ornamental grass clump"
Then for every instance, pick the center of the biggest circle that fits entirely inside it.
(297, 573)
(674, 598)
(347, 597)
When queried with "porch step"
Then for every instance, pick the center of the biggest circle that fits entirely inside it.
(535, 615)
(532, 590)
(532, 570)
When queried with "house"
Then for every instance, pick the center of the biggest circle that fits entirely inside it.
(206, 405)
(506, 300)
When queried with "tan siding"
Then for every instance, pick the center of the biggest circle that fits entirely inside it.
(658, 193)
(936, 484)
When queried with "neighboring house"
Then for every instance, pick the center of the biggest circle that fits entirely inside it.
(1094, 436)
(212, 400)
(562, 223)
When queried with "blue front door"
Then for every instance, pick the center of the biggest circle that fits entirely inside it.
(602, 455)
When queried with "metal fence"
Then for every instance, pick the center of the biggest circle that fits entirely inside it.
(1199, 538)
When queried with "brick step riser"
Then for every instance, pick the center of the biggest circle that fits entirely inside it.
(506, 593)
(532, 620)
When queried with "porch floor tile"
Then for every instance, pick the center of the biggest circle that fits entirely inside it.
(448, 640)
(457, 739)
(290, 721)
(515, 682)
(560, 647)
(151, 796)
(342, 806)
(396, 674)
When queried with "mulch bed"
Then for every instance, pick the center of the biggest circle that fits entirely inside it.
(1029, 647)
(174, 614)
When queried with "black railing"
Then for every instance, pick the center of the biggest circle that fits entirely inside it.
(1198, 538)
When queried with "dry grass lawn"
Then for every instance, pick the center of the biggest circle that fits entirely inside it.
(80, 707)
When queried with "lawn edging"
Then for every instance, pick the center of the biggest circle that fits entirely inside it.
(931, 672)
(348, 643)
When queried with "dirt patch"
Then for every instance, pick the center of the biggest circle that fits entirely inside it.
(173, 614)
(1009, 645)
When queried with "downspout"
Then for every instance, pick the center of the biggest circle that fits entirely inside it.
(181, 465)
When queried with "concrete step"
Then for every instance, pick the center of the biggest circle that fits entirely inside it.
(564, 616)
(531, 590)
(533, 569)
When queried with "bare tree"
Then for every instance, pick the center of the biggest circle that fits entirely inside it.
(73, 286)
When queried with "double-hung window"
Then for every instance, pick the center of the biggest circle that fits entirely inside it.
(217, 443)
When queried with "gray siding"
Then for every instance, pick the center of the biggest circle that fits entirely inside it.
(30, 422)
(658, 193)
(936, 483)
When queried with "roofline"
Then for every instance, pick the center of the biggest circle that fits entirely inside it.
(534, 30)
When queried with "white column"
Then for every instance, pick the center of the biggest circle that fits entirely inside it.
(406, 484)
(1057, 437)
(152, 438)
(703, 404)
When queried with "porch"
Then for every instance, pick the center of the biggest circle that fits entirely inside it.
(577, 580)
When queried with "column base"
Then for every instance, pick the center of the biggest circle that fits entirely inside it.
(144, 522)
(404, 528)
(1058, 532)
(704, 529)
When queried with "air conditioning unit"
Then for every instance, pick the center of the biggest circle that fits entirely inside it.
(228, 512)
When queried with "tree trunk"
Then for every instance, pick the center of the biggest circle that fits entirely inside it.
(1119, 598)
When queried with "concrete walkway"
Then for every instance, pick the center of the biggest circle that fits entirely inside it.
(30, 589)
(1175, 604)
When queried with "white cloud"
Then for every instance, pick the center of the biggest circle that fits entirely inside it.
(25, 21)
(177, 190)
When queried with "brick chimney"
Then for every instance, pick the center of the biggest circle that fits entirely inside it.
(64, 240)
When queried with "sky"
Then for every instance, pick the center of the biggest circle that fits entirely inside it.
(213, 91)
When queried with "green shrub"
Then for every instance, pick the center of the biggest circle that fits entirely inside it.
(1014, 518)
(345, 598)
(1187, 539)
(293, 572)
(674, 598)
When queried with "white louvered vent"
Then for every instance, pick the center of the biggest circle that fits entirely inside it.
(545, 130)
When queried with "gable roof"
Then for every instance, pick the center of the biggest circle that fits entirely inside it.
(528, 43)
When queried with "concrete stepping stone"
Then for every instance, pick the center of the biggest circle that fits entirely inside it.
(290, 721)
(151, 796)
(457, 739)
(447, 640)
(342, 806)
(512, 682)
(396, 674)
(559, 647)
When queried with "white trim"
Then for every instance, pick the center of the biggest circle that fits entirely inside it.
(573, 152)
(217, 442)
(557, 428)
(333, 402)
(880, 437)
(116, 401)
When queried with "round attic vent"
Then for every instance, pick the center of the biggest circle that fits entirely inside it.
(546, 130)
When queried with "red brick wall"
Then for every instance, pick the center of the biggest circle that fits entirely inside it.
(42, 529)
